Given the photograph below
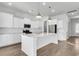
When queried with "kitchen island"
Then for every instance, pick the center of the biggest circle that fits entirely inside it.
(32, 42)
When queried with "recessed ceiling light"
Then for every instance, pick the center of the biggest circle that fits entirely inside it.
(30, 11)
(9, 3)
(53, 10)
(72, 13)
(44, 3)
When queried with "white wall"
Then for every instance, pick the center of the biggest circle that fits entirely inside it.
(62, 25)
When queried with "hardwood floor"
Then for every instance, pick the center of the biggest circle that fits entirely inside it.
(13, 50)
(74, 40)
(64, 48)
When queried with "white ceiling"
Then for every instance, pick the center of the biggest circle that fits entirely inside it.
(31, 8)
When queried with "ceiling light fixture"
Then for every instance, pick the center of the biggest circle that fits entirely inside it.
(44, 3)
(30, 11)
(72, 13)
(9, 3)
(53, 10)
(38, 16)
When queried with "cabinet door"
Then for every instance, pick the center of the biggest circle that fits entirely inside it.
(8, 39)
(6, 20)
(18, 22)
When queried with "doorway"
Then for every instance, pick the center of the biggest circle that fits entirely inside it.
(73, 31)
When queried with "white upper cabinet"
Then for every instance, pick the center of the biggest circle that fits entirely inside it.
(6, 20)
(18, 22)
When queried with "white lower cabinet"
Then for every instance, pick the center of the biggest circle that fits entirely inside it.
(8, 39)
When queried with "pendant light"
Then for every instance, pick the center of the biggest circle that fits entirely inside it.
(38, 16)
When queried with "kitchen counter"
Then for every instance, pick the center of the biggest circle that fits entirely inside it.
(32, 42)
(38, 35)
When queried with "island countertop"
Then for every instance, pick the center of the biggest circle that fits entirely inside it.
(39, 34)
